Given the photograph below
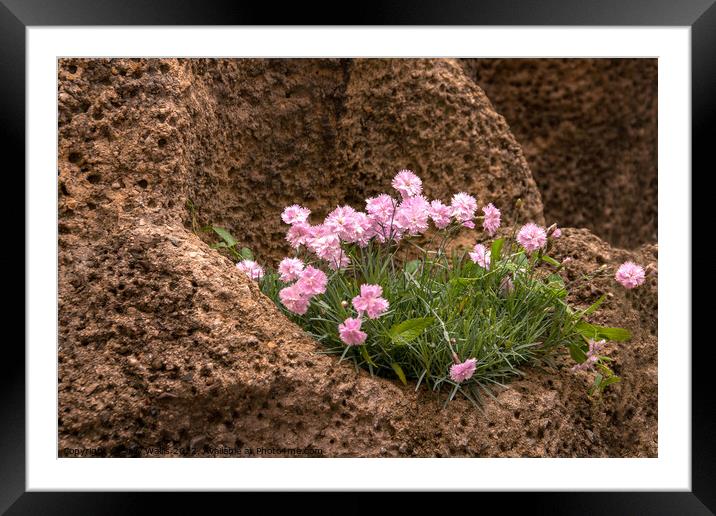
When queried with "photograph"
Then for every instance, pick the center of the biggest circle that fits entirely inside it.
(435, 248)
(364, 257)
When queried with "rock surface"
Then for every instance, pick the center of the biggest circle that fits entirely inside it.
(165, 348)
(589, 133)
(242, 139)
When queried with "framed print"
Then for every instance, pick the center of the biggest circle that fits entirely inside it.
(434, 249)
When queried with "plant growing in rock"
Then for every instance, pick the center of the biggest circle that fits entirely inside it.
(385, 289)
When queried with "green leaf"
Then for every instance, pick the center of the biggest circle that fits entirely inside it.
(608, 381)
(218, 245)
(556, 284)
(246, 253)
(409, 330)
(364, 352)
(555, 278)
(399, 371)
(412, 266)
(594, 331)
(550, 260)
(577, 354)
(225, 236)
(496, 249)
(595, 305)
(463, 282)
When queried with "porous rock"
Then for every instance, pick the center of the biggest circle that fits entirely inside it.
(588, 128)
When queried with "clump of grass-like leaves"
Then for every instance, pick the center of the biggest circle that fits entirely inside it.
(370, 289)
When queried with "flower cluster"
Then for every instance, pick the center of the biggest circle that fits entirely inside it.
(310, 282)
(385, 219)
(369, 302)
(348, 243)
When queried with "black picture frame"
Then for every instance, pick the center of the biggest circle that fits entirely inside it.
(700, 15)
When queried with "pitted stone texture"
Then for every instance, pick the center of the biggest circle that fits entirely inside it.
(588, 128)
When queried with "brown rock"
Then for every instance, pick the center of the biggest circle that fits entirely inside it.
(589, 133)
(241, 139)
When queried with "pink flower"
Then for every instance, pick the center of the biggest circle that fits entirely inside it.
(294, 299)
(407, 183)
(491, 221)
(323, 242)
(252, 269)
(630, 275)
(351, 333)
(440, 213)
(463, 207)
(556, 233)
(381, 214)
(381, 208)
(312, 281)
(532, 237)
(349, 224)
(290, 269)
(464, 371)
(595, 347)
(370, 301)
(298, 234)
(480, 256)
(413, 214)
(295, 213)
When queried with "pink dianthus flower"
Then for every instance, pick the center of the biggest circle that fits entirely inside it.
(463, 208)
(407, 183)
(491, 222)
(480, 256)
(381, 207)
(463, 371)
(440, 213)
(630, 275)
(351, 333)
(413, 214)
(312, 281)
(290, 269)
(252, 269)
(532, 237)
(295, 213)
(323, 242)
(381, 214)
(294, 299)
(347, 223)
(370, 301)
(298, 234)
